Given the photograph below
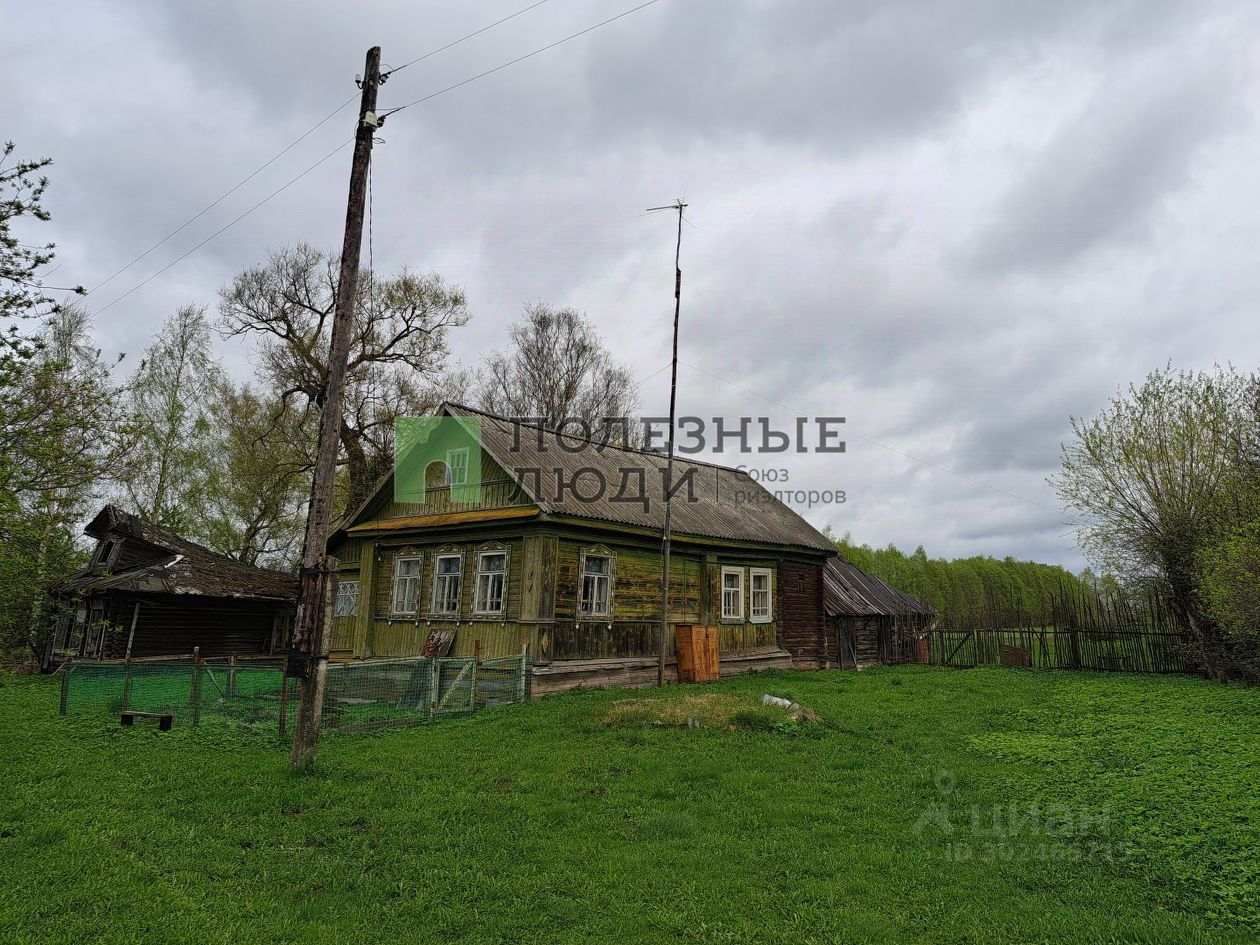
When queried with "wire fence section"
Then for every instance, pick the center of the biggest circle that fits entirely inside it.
(255, 693)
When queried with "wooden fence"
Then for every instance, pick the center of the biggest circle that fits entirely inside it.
(1130, 651)
(1087, 630)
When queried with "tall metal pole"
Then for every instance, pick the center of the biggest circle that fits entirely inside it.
(308, 657)
(669, 461)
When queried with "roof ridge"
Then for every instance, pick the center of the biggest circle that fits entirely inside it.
(582, 439)
(181, 540)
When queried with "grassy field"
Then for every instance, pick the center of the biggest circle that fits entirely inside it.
(931, 805)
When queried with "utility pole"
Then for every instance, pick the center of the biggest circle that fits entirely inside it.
(308, 657)
(669, 461)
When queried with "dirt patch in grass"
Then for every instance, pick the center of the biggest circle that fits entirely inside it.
(707, 710)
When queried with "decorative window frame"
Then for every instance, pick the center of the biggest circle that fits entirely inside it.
(493, 548)
(597, 551)
(768, 617)
(342, 587)
(407, 554)
(447, 551)
(725, 617)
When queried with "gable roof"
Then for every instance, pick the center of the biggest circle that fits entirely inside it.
(177, 565)
(724, 503)
(848, 591)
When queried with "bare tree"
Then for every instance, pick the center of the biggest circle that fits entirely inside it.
(398, 358)
(557, 367)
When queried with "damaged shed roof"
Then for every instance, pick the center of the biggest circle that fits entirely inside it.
(162, 562)
(848, 591)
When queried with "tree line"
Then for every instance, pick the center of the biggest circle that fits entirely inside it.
(172, 435)
(971, 592)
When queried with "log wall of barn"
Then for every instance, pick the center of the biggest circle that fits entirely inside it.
(172, 625)
(801, 630)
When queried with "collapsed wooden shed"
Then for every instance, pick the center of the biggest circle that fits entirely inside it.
(868, 620)
(146, 592)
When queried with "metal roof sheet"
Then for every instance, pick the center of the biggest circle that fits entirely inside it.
(848, 591)
(724, 502)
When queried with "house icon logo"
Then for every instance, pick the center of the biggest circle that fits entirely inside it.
(437, 458)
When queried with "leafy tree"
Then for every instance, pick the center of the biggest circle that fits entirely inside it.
(556, 367)
(62, 433)
(1150, 474)
(22, 290)
(165, 483)
(398, 357)
(258, 477)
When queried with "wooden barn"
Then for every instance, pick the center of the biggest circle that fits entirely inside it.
(146, 592)
(868, 620)
(550, 552)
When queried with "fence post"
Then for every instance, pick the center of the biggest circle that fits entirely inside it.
(522, 688)
(434, 681)
(231, 680)
(284, 702)
(472, 688)
(127, 687)
(65, 683)
(195, 687)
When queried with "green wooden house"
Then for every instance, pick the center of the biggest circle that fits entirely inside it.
(512, 536)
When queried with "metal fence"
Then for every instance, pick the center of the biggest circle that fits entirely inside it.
(256, 694)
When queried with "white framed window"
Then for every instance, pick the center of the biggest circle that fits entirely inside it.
(596, 596)
(406, 584)
(760, 598)
(491, 582)
(732, 593)
(457, 464)
(347, 599)
(447, 574)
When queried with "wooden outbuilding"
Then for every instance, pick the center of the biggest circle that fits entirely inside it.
(868, 620)
(146, 592)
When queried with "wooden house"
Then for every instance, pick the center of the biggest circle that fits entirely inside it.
(146, 592)
(523, 537)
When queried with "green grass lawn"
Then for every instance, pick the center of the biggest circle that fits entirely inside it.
(932, 805)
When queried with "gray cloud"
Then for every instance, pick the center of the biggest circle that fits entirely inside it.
(956, 223)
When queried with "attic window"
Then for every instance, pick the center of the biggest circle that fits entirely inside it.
(106, 550)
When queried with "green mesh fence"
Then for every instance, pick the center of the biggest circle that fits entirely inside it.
(379, 693)
(357, 697)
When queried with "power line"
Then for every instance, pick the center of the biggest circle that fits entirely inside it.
(528, 55)
(227, 193)
(226, 226)
(510, 16)
(285, 150)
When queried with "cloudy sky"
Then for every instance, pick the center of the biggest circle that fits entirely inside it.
(956, 223)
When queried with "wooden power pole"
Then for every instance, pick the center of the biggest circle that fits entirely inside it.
(308, 658)
(662, 643)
